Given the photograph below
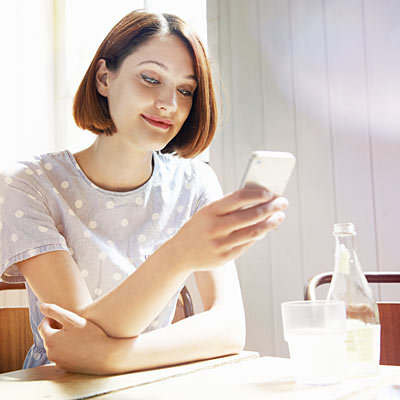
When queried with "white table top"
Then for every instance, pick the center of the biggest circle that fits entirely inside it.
(244, 376)
(262, 378)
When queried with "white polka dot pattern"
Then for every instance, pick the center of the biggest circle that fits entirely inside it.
(92, 224)
(117, 276)
(155, 217)
(86, 218)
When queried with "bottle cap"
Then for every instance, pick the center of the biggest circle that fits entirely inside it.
(346, 228)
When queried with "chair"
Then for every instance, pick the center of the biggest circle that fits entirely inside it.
(389, 313)
(16, 335)
(184, 306)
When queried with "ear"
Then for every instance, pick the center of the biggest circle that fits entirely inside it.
(102, 77)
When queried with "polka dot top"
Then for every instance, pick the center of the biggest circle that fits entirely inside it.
(49, 204)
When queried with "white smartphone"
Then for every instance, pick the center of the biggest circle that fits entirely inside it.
(271, 169)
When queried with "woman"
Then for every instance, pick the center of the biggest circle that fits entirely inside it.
(77, 227)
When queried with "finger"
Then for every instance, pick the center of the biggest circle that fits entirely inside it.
(66, 318)
(246, 197)
(237, 251)
(254, 232)
(46, 326)
(253, 215)
(45, 330)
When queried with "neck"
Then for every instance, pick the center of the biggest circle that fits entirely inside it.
(115, 166)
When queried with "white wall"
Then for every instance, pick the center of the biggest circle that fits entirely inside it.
(320, 79)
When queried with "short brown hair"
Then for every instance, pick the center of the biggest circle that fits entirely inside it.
(90, 108)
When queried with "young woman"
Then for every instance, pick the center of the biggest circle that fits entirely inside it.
(109, 235)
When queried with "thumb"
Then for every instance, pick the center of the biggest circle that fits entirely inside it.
(67, 319)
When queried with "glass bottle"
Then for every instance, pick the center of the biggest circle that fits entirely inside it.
(362, 316)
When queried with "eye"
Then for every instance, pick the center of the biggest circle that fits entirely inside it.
(149, 80)
(186, 93)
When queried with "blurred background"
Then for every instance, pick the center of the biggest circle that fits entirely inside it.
(318, 78)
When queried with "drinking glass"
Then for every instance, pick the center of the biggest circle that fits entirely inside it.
(315, 332)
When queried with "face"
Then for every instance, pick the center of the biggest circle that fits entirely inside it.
(151, 94)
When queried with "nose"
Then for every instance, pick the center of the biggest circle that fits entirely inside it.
(166, 100)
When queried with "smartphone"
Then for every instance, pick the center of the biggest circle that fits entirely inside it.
(270, 169)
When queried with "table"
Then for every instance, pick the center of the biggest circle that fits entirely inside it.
(51, 382)
(244, 376)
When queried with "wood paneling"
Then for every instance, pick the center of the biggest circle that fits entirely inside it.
(320, 79)
(279, 134)
(382, 41)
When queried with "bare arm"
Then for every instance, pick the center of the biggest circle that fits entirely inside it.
(217, 331)
(215, 235)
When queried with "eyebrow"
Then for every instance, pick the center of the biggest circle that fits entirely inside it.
(164, 67)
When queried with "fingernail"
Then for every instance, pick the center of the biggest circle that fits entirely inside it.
(281, 217)
(284, 204)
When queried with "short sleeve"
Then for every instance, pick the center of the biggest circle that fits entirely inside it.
(26, 226)
(209, 188)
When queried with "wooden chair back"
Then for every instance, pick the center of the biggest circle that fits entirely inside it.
(16, 334)
(389, 313)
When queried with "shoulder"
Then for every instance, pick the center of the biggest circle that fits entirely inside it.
(194, 174)
(191, 169)
(31, 174)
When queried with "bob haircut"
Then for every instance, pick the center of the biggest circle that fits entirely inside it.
(90, 109)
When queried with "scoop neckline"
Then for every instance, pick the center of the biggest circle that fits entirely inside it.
(141, 188)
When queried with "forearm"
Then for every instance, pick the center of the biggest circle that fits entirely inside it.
(127, 310)
(205, 335)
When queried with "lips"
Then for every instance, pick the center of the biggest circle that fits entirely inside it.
(157, 121)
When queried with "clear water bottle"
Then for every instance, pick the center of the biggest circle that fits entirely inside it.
(362, 316)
